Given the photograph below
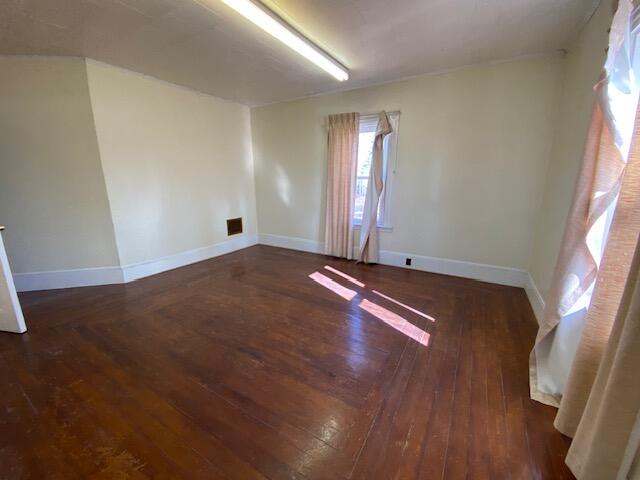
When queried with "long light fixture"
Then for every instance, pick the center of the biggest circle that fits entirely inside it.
(292, 39)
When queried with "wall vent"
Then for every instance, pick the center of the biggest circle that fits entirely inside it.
(234, 226)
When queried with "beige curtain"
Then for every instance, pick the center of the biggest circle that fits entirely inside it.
(607, 296)
(573, 288)
(576, 269)
(369, 250)
(604, 444)
(342, 159)
(601, 404)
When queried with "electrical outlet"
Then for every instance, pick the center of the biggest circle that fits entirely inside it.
(407, 262)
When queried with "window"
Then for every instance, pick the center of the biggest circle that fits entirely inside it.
(368, 126)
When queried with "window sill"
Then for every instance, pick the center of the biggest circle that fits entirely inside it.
(382, 228)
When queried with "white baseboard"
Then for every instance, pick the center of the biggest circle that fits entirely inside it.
(82, 277)
(86, 277)
(458, 268)
(535, 298)
(127, 273)
(135, 271)
(292, 243)
(477, 271)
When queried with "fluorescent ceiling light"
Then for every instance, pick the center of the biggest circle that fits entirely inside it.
(292, 39)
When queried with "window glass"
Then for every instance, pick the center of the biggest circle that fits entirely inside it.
(365, 152)
(368, 125)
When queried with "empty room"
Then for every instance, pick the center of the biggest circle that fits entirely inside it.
(320, 239)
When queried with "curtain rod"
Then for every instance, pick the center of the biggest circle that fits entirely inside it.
(394, 112)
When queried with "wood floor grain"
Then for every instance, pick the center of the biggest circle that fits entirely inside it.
(265, 364)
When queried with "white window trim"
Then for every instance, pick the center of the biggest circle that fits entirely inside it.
(391, 156)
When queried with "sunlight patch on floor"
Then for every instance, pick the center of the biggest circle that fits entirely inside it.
(417, 312)
(395, 321)
(335, 287)
(387, 316)
(344, 275)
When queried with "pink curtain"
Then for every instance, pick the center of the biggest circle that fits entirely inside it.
(369, 250)
(600, 408)
(576, 269)
(600, 261)
(342, 159)
(573, 289)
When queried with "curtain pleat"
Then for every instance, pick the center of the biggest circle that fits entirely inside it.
(580, 290)
(605, 435)
(615, 281)
(597, 186)
(369, 250)
(342, 158)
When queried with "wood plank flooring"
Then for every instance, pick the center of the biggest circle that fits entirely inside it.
(245, 367)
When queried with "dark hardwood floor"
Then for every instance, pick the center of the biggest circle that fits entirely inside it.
(245, 367)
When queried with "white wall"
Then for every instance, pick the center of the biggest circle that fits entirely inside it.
(583, 66)
(177, 163)
(53, 200)
(472, 155)
(102, 170)
(165, 166)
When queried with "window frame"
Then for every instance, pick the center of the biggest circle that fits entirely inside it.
(389, 168)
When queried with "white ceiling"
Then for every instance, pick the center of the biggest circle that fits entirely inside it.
(204, 45)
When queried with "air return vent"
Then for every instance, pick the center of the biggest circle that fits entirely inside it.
(234, 226)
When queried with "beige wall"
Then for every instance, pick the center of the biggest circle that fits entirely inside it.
(52, 193)
(177, 163)
(583, 66)
(472, 155)
(104, 167)
(473, 180)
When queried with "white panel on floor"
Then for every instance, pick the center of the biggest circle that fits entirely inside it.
(11, 319)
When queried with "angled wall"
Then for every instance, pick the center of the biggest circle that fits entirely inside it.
(53, 199)
(177, 163)
(107, 175)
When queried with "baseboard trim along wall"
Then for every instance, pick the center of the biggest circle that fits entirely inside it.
(151, 267)
(292, 243)
(477, 271)
(82, 277)
(86, 277)
(535, 298)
